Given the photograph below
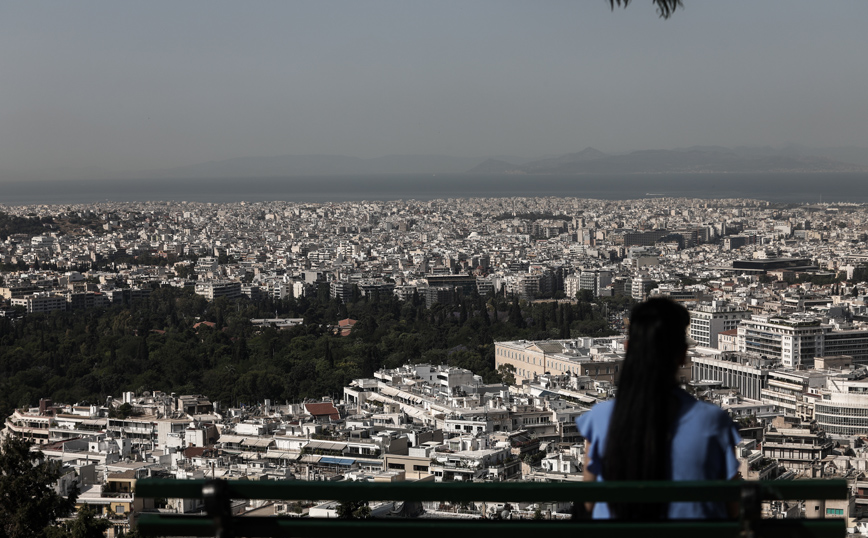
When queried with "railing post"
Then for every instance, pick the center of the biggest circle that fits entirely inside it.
(750, 510)
(216, 496)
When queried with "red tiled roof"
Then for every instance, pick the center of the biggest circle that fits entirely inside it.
(323, 409)
(196, 451)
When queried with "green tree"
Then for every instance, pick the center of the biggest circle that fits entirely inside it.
(85, 525)
(28, 502)
(354, 510)
(506, 373)
(122, 411)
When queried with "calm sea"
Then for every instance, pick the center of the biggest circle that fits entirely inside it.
(784, 188)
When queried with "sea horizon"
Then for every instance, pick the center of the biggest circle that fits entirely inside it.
(795, 188)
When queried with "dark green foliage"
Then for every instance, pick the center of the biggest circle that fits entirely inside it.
(28, 502)
(507, 373)
(354, 510)
(123, 411)
(10, 224)
(860, 274)
(85, 525)
(153, 345)
(821, 280)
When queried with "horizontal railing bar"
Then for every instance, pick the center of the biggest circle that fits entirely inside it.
(501, 491)
(161, 524)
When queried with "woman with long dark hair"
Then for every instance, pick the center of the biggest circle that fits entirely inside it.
(653, 430)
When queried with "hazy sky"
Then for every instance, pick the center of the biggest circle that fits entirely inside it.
(154, 84)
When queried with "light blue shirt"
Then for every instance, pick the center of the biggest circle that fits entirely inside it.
(702, 449)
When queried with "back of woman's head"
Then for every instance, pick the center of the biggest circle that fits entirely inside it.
(641, 427)
(656, 341)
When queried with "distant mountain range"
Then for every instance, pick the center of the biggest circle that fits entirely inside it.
(696, 159)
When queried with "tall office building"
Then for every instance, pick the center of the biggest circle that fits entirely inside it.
(709, 320)
(796, 341)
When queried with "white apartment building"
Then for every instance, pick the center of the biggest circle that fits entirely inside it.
(796, 341)
(794, 393)
(571, 285)
(526, 286)
(709, 320)
(592, 280)
(40, 302)
(219, 288)
(749, 375)
(640, 286)
(445, 377)
(843, 411)
(206, 264)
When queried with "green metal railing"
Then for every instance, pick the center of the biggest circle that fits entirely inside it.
(218, 520)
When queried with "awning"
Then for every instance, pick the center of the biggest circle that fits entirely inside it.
(326, 445)
(231, 439)
(414, 412)
(402, 394)
(282, 454)
(373, 462)
(419, 414)
(257, 442)
(336, 461)
(93, 422)
(389, 391)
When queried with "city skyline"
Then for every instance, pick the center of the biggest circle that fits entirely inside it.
(437, 340)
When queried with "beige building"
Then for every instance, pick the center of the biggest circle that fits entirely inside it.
(597, 358)
(414, 467)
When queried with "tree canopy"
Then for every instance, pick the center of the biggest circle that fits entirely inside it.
(159, 344)
(29, 505)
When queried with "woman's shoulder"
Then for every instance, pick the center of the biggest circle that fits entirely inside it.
(597, 419)
(602, 408)
(702, 411)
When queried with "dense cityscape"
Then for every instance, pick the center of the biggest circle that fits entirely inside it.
(446, 340)
(433, 268)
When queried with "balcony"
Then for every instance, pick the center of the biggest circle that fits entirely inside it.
(749, 495)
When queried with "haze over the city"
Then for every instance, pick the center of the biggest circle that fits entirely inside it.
(162, 84)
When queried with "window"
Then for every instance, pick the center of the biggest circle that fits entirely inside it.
(423, 468)
(398, 466)
(834, 511)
